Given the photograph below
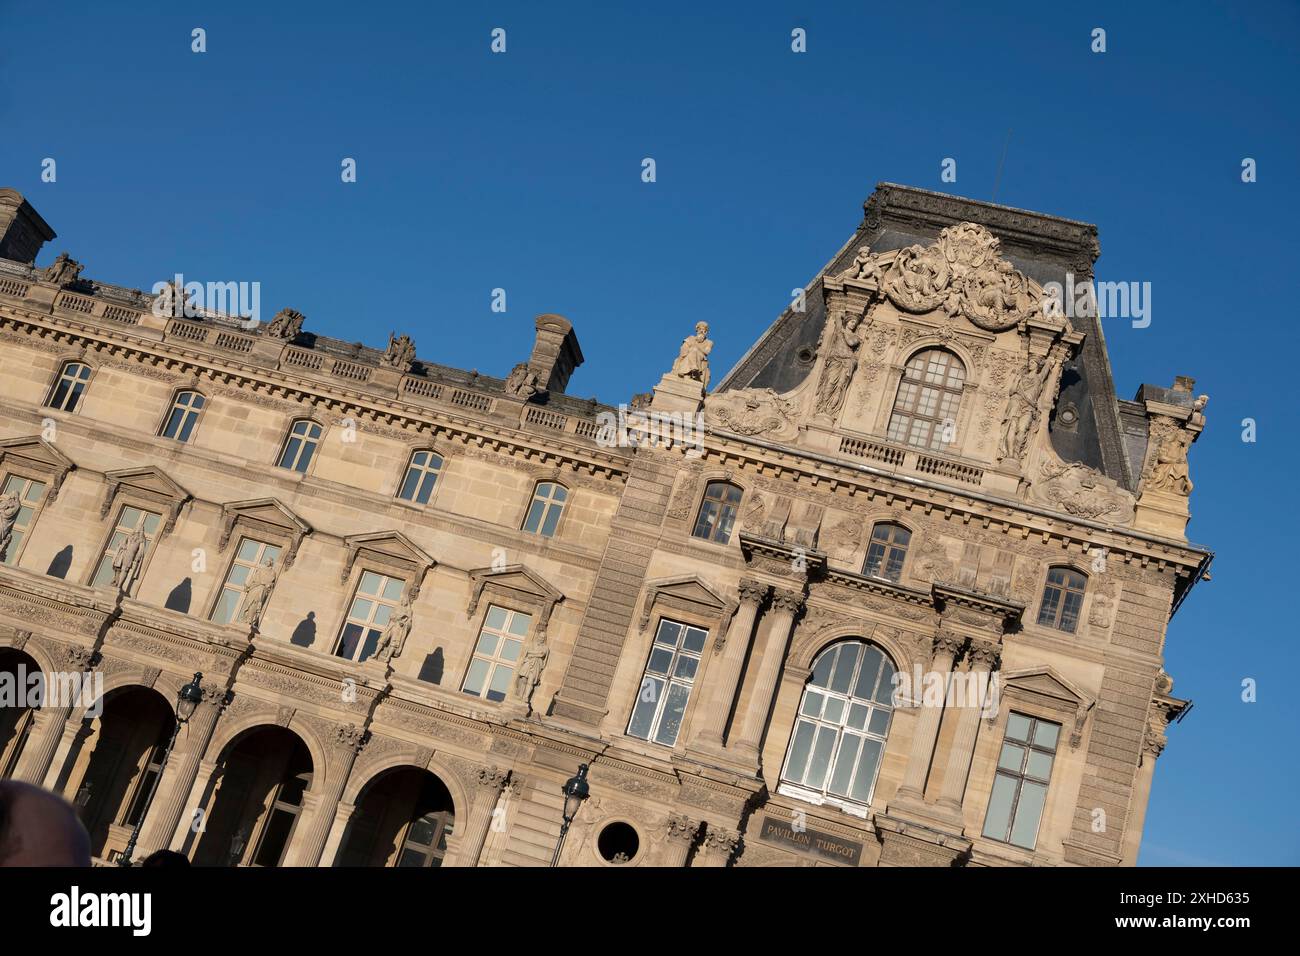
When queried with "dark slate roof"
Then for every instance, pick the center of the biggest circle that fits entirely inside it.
(1043, 247)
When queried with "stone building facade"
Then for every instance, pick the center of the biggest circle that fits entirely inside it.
(893, 591)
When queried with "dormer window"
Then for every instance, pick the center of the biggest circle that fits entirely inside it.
(929, 395)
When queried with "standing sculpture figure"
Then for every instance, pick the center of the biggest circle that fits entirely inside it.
(9, 508)
(257, 592)
(393, 637)
(1023, 411)
(693, 359)
(400, 354)
(530, 670)
(841, 362)
(128, 559)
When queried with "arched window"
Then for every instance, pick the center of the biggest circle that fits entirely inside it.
(548, 504)
(717, 512)
(929, 394)
(300, 446)
(1062, 599)
(421, 475)
(843, 724)
(887, 550)
(66, 394)
(184, 415)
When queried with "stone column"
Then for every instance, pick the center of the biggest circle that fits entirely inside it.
(785, 604)
(182, 770)
(678, 839)
(983, 658)
(348, 739)
(491, 782)
(926, 730)
(718, 845)
(731, 652)
(38, 753)
(342, 817)
(200, 786)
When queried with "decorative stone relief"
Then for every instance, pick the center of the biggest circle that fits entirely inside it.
(1082, 491)
(753, 411)
(523, 383)
(286, 324)
(63, 271)
(840, 344)
(400, 353)
(1166, 466)
(1024, 405)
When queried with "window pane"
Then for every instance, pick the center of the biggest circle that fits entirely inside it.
(1012, 757)
(821, 757)
(821, 674)
(660, 659)
(844, 762)
(552, 519)
(475, 677)
(393, 589)
(812, 704)
(685, 668)
(1024, 832)
(370, 582)
(227, 604)
(409, 485)
(668, 633)
(867, 673)
(858, 716)
(644, 712)
(880, 722)
(496, 617)
(510, 650)
(501, 675)
(844, 668)
(534, 518)
(999, 815)
(1045, 735)
(487, 643)
(803, 735)
(834, 709)
(865, 778)
(519, 624)
(671, 721)
(694, 639)
(1017, 727)
(1039, 765)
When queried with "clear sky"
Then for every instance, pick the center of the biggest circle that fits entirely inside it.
(522, 171)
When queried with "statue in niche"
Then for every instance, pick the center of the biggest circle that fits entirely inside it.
(128, 559)
(1169, 470)
(843, 342)
(524, 383)
(9, 508)
(286, 324)
(693, 359)
(63, 271)
(1023, 411)
(393, 637)
(529, 674)
(400, 354)
(257, 592)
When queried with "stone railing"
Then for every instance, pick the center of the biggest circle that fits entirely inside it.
(911, 459)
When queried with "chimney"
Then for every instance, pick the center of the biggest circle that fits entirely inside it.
(555, 352)
(22, 230)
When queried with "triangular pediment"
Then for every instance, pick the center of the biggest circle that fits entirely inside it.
(147, 479)
(268, 511)
(36, 450)
(687, 591)
(1046, 682)
(517, 585)
(393, 544)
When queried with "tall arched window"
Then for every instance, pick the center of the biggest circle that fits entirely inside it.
(546, 508)
(300, 445)
(717, 512)
(843, 724)
(1062, 599)
(184, 415)
(67, 391)
(929, 394)
(887, 551)
(421, 475)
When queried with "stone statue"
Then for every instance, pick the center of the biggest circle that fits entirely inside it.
(843, 342)
(170, 300)
(257, 592)
(286, 324)
(529, 674)
(128, 559)
(523, 382)
(1023, 412)
(400, 354)
(1169, 468)
(693, 359)
(9, 508)
(63, 271)
(865, 266)
(393, 638)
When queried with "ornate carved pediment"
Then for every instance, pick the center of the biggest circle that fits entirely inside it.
(392, 550)
(40, 458)
(752, 411)
(687, 593)
(148, 485)
(516, 585)
(1044, 687)
(264, 516)
(1083, 492)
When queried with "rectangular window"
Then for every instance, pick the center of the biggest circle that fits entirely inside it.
(496, 653)
(129, 521)
(28, 494)
(249, 555)
(1020, 783)
(666, 687)
(372, 606)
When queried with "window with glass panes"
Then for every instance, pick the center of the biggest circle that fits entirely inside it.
(421, 476)
(70, 386)
(544, 513)
(29, 493)
(300, 446)
(184, 415)
(1020, 782)
(425, 842)
(843, 723)
(717, 512)
(929, 395)
(129, 519)
(249, 555)
(372, 606)
(666, 687)
(887, 550)
(1062, 599)
(492, 667)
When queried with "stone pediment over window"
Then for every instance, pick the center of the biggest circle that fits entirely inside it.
(40, 458)
(516, 587)
(1047, 691)
(688, 595)
(145, 486)
(264, 518)
(390, 551)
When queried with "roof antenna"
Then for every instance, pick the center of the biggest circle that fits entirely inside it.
(998, 179)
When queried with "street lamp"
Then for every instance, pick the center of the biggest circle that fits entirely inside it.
(187, 701)
(575, 791)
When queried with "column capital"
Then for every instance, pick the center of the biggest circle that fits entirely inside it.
(492, 778)
(681, 829)
(984, 655)
(787, 600)
(948, 642)
(350, 737)
(752, 592)
(720, 839)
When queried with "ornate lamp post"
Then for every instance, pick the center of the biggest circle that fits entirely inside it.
(575, 791)
(187, 701)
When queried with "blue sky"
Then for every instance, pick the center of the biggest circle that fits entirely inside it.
(522, 171)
